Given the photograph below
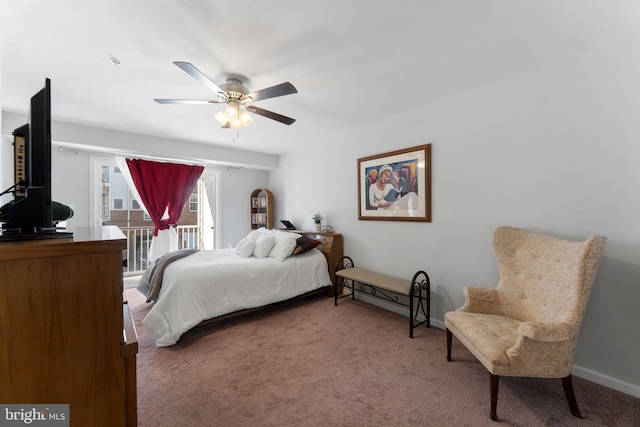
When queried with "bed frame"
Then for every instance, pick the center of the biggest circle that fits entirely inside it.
(331, 247)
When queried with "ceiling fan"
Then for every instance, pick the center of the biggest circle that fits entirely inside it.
(237, 97)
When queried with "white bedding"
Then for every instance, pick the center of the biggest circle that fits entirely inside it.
(208, 284)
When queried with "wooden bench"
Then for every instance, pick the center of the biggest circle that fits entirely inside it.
(385, 287)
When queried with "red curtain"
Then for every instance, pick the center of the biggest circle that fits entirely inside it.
(163, 187)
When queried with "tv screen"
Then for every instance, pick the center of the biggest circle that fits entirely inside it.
(40, 136)
(30, 212)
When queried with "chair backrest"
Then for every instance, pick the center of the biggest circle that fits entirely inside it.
(545, 279)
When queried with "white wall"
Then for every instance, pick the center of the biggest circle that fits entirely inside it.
(555, 151)
(6, 167)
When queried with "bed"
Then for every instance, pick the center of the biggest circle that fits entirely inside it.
(209, 286)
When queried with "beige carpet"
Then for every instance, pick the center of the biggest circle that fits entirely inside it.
(313, 364)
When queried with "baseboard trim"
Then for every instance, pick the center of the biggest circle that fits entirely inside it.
(578, 371)
(606, 381)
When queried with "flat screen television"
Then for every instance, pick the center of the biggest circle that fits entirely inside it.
(30, 212)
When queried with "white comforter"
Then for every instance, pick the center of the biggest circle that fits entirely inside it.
(208, 284)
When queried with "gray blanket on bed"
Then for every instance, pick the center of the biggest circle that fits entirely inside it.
(151, 280)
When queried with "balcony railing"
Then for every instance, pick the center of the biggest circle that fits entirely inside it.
(139, 241)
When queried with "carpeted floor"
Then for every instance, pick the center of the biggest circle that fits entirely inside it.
(313, 364)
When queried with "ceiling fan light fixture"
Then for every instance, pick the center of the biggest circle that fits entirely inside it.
(221, 118)
(233, 117)
(231, 112)
(245, 118)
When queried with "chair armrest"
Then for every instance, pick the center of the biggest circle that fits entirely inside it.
(543, 349)
(478, 300)
(548, 332)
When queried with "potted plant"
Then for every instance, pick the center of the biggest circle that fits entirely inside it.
(317, 218)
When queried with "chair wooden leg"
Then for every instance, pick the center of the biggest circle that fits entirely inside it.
(493, 387)
(567, 384)
(449, 334)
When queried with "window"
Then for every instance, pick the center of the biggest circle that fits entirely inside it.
(118, 204)
(135, 205)
(193, 202)
(106, 212)
(106, 174)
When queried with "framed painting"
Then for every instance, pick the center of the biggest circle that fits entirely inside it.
(396, 186)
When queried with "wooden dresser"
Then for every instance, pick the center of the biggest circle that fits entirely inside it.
(66, 334)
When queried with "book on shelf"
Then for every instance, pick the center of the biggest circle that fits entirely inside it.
(259, 218)
(258, 202)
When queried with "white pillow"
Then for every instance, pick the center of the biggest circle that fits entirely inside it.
(245, 247)
(284, 245)
(264, 243)
(254, 234)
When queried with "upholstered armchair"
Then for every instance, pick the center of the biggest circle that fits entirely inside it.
(528, 325)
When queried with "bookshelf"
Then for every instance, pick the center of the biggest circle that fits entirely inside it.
(261, 208)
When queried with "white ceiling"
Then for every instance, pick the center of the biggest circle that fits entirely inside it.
(352, 61)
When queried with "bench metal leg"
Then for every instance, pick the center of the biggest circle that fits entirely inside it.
(419, 284)
(411, 314)
(344, 262)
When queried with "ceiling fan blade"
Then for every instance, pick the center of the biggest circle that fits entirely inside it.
(271, 115)
(271, 92)
(200, 76)
(186, 101)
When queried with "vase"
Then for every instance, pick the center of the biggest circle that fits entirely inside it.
(318, 227)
